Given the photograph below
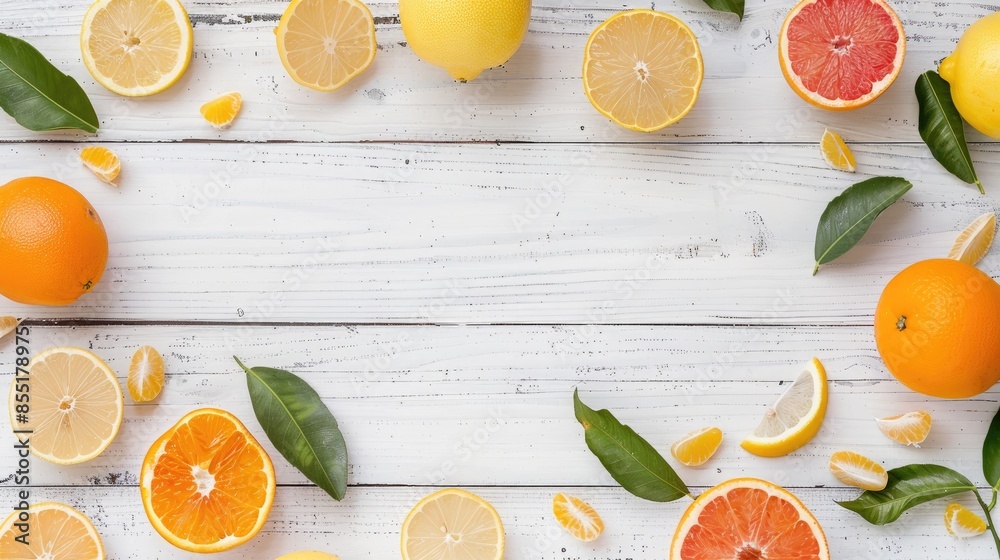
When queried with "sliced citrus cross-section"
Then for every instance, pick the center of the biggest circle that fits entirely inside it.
(206, 484)
(137, 47)
(323, 44)
(854, 469)
(975, 240)
(222, 111)
(145, 374)
(76, 406)
(841, 54)
(911, 428)
(748, 518)
(960, 522)
(643, 69)
(57, 532)
(577, 517)
(696, 448)
(453, 524)
(795, 418)
(103, 162)
(836, 153)
(8, 325)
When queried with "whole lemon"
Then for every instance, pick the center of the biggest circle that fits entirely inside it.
(52, 242)
(465, 37)
(308, 555)
(973, 71)
(937, 327)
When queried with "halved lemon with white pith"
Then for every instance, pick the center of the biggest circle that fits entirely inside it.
(452, 524)
(137, 47)
(796, 416)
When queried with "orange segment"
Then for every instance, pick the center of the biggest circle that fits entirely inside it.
(103, 162)
(323, 44)
(577, 517)
(57, 532)
(975, 240)
(222, 111)
(856, 470)
(911, 428)
(748, 518)
(145, 375)
(206, 484)
(8, 325)
(836, 153)
(697, 447)
(960, 522)
(642, 69)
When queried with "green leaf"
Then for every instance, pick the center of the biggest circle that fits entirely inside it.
(908, 486)
(731, 6)
(300, 426)
(991, 453)
(942, 128)
(848, 217)
(631, 460)
(37, 94)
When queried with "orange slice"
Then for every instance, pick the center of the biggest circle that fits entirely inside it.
(697, 447)
(911, 428)
(206, 484)
(57, 532)
(642, 69)
(323, 44)
(577, 517)
(841, 54)
(76, 406)
(960, 522)
(222, 111)
(453, 524)
(836, 153)
(975, 240)
(748, 518)
(8, 325)
(854, 469)
(145, 375)
(103, 162)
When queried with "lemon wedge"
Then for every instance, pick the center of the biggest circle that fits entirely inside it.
(796, 416)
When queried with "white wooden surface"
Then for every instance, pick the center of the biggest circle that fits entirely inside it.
(446, 262)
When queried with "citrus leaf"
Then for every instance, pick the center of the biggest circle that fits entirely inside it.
(908, 486)
(942, 129)
(630, 459)
(991, 452)
(848, 216)
(300, 426)
(37, 94)
(731, 6)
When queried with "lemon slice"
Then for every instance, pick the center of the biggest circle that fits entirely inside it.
(325, 43)
(57, 531)
(221, 111)
(8, 325)
(975, 240)
(145, 374)
(453, 524)
(960, 522)
(795, 418)
(137, 47)
(836, 153)
(911, 428)
(854, 469)
(697, 447)
(103, 162)
(76, 406)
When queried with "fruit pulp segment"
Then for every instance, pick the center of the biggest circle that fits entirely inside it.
(841, 48)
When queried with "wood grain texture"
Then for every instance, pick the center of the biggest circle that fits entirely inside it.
(422, 233)
(536, 96)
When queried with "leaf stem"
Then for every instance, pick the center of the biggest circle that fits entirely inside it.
(993, 501)
(989, 518)
(979, 184)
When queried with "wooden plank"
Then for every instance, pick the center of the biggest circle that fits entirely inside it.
(422, 233)
(492, 404)
(366, 525)
(537, 96)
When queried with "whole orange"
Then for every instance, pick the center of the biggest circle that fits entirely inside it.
(52, 242)
(937, 327)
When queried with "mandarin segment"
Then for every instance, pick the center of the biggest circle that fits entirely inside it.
(146, 374)
(577, 517)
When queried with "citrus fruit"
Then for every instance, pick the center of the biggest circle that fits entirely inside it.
(577, 517)
(974, 242)
(465, 37)
(57, 532)
(76, 405)
(453, 524)
(841, 54)
(938, 330)
(137, 47)
(959, 521)
(836, 153)
(748, 519)
(697, 447)
(52, 242)
(854, 469)
(973, 71)
(911, 428)
(145, 374)
(796, 416)
(642, 69)
(103, 162)
(308, 555)
(221, 111)
(8, 325)
(323, 44)
(206, 484)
